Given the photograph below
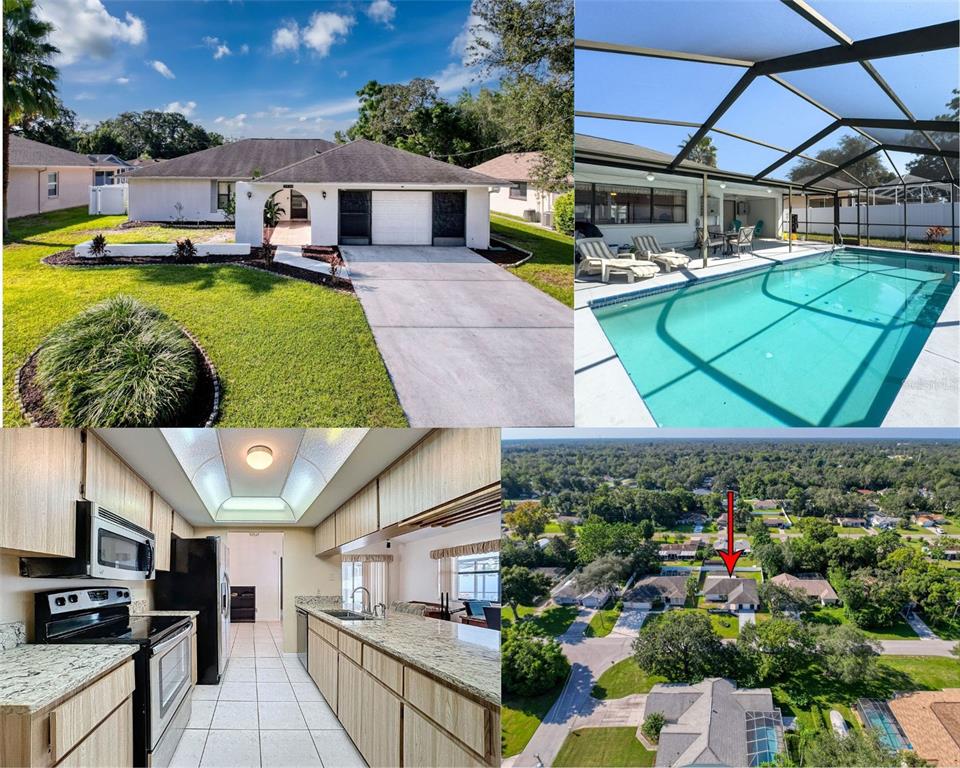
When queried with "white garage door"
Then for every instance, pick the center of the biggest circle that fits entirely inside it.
(402, 218)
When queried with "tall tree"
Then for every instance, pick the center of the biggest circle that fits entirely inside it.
(521, 586)
(61, 130)
(683, 647)
(870, 170)
(605, 573)
(930, 166)
(29, 90)
(160, 135)
(704, 151)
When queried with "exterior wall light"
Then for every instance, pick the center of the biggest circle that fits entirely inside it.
(324, 194)
(650, 177)
(249, 194)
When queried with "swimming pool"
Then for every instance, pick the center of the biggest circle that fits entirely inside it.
(825, 340)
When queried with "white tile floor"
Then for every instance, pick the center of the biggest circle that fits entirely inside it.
(265, 712)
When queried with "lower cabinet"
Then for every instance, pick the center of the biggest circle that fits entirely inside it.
(425, 744)
(380, 746)
(111, 744)
(350, 698)
(322, 665)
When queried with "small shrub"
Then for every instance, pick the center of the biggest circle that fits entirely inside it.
(98, 246)
(563, 213)
(119, 363)
(652, 725)
(184, 250)
(531, 663)
(935, 234)
(336, 262)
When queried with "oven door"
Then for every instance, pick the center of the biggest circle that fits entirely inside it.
(169, 681)
(118, 552)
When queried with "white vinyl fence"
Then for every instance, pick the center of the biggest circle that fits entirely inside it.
(886, 221)
(108, 200)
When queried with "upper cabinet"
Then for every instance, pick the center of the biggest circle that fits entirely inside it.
(325, 535)
(114, 486)
(447, 464)
(181, 527)
(40, 475)
(161, 523)
(358, 517)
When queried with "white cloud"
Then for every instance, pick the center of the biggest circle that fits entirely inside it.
(382, 12)
(86, 28)
(122, 80)
(454, 78)
(325, 29)
(286, 38)
(473, 29)
(220, 47)
(342, 73)
(333, 108)
(236, 123)
(221, 51)
(244, 49)
(162, 68)
(186, 109)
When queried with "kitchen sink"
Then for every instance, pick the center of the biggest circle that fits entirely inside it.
(348, 615)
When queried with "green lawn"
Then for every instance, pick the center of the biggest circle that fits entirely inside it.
(552, 527)
(551, 268)
(926, 673)
(835, 615)
(612, 747)
(289, 353)
(602, 622)
(624, 679)
(553, 621)
(520, 718)
(880, 242)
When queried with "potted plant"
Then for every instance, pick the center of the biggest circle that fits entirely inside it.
(272, 211)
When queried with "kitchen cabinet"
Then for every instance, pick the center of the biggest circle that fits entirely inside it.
(110, 483)
(359, 516)
(161, 523)
(325, 535)
(41, 471)
(454, 712)
(444, 466)
(322, 660)
(380, 746)
(111, 744)
(425, 744)
(350, 698)
(181, 527)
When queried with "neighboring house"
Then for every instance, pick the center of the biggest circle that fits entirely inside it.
(929, 521)
(45, 178)
(714, 723)
(813, 585)
(359, 193)
(884, 522)
(931, 722)
(735, 594)
(685, 551)
(109, 175)
(596, 598)
(851, 522)
(765, 504)
(566, 595)
(140, 162)
(670, 590)
(521, 194)
(775, 522)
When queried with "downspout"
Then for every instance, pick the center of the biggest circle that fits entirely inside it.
(836, 215)
(703, 221)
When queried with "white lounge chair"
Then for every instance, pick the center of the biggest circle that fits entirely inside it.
(597, 258)
(648, 247)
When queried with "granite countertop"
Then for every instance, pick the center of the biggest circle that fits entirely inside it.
(164, 613)
(34, 677)
(466, 657)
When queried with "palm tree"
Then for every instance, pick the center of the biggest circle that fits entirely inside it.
(703, 151)
(30, 89)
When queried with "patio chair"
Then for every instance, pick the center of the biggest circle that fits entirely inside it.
(714, 238)
(597, 258)
(744, 240)
(736, 224)
(758, 228)
(648, 246)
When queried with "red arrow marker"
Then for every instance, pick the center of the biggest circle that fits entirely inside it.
(730, 556)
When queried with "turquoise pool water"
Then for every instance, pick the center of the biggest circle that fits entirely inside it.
(822, 341)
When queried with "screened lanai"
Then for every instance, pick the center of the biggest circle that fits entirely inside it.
(845, 111)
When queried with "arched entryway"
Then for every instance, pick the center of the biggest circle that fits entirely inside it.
(290, 210)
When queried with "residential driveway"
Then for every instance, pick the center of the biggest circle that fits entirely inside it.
(746, 617)
(919, 626)
(630, 622)
(466, 342)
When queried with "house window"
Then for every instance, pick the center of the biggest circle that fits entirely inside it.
(102, 178)
(478, 577)
(226, 190)
(518, 191)
(351, 577)
(613, 204)
(53, 184)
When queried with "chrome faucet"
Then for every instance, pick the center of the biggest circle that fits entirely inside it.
(383, 610)
(369, 599)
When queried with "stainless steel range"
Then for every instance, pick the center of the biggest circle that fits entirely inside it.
(161, 700)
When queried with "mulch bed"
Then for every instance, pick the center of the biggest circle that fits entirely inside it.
(70, 259)
(337, 283)
(203, 410)
(505, 255)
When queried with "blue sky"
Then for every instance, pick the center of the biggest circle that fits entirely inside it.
(890, 433)
(750, 30)
(261, 68)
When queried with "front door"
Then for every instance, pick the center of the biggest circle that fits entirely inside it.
(298, 206)
(355, 208)
(449, 218)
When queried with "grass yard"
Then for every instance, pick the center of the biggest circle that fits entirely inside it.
(520, 718)
(926, 673)
(602, 622)
(835, 615)
(881, 242)
(611, 747)
(289, 353)
(552, 527)
(551, 268)
(624, 679)
(554, 620)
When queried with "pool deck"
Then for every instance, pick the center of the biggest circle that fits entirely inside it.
(605, 396)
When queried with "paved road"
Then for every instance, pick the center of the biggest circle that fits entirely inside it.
(918, 647)
(466, 342)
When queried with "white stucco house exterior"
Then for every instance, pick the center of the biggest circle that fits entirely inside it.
(359, 193)
(521, 194)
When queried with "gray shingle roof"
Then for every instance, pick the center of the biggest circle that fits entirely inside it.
(26, 153)
(653, 587)
(236, 160)
(367, 162)
(516, 166)
(736, 590)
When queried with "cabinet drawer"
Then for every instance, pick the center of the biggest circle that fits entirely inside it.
(351, 647)
(323, 629)
(77, 716)
(110, 746)
(455, 713)
(426, 745)
(383, 668)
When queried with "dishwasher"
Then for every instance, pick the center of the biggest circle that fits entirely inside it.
(302, 637)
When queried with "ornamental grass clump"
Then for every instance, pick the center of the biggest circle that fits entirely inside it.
(119, 363)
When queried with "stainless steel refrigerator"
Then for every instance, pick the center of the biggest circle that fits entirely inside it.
(198, 581)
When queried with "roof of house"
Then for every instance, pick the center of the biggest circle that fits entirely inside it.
(515, 166)
(842, 520)
(736, 590)
(108, 160)
(707, 722)
(931, 720)
(368, 162)
(817, 587)
(235, 160)
(765, 504)
(26, 153)
(657, 587)
(137, 162)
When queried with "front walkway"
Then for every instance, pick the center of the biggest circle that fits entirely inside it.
(466, 343)
(291, 233)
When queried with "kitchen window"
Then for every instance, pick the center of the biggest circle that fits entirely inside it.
(351, 577)
(518, 191)
(621, 204)
(478, 577)
(226, 190)
(53, 185)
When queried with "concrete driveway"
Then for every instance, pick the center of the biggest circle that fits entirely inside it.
(466, 342)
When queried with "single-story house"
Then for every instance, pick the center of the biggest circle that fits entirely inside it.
(884, 522)
(595, 598)
(775, 522)
(851, 522)
(813, 585)
(736, 594)
(685, 551)
(521, 194)
(714, 723)
(566, 595)
(765, 504)
(929, 521)
(931, 722)
(670, 590)
(358, 193)
(45, 178)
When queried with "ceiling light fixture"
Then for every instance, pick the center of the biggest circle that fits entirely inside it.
(259, 457)
(650, 177)
(722, 185)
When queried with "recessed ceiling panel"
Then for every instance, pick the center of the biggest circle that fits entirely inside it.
(244, 479)
(328, 449)
(193, 447)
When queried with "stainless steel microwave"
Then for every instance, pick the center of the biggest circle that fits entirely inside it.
(107, 547)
